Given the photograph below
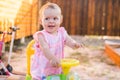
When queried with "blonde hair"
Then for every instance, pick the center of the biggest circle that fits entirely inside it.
(49, 5)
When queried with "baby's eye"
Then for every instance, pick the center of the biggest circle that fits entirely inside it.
(46, 18)
(55, 18)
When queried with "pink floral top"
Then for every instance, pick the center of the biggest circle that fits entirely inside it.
(40, 65)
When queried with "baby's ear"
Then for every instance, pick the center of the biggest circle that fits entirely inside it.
(39, 21)
(61, 19)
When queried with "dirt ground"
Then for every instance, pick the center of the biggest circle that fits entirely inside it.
(94, 62)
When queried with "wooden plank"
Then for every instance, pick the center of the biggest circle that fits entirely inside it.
(119, 19)
(81, 16)
(112, 29)
(109, 17)
(112, 54)
(54, 1)
(85, 17)
(95, 17)
(89, 17)
(104, 19)
(66, 15)
(98, 14)
(44, 1)
(115, 16)
(34, 22)
(92, 18)
(117, 31)
(73, 16)
(78, 19)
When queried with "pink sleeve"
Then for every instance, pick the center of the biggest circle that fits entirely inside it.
(35, 36)
(64, 33)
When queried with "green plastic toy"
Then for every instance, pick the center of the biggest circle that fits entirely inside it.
(66, 65)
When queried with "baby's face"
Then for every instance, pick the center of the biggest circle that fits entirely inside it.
(51, 20)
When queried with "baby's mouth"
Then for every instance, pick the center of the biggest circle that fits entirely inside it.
(51, 26)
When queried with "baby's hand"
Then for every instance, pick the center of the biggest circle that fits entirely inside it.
(78, 45)
(55, 62)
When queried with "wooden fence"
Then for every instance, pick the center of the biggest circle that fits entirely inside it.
(81, 17)
(19, 13)
(90, 17)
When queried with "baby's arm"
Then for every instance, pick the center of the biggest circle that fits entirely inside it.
(48, 54)
(72, 43)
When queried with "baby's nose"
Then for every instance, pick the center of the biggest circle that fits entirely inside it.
(51, 20)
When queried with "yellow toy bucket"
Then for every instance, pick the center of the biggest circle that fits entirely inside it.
(67, 63)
